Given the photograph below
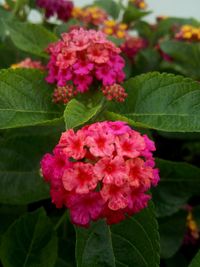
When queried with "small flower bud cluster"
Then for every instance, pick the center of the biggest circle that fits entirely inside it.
(61, 8)
(64, 94)
(103, 170)
(114, 92)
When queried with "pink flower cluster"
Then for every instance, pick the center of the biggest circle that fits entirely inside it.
(61, 8)
(82, 57)
(101, 171)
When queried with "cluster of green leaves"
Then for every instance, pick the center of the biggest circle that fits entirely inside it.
(166, 106)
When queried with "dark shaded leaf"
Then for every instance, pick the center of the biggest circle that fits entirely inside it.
(133, 242)
(172, 230)
(30, 241)
(196, 261)
(179, 181)
(94, 246)
(21, 152)
(136, 240)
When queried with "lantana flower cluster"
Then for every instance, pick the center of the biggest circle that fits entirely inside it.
(103, 170)
(61, 8)
(188, 33)
(83, 58)
(91, 15)
(28, 63)
(114, 28)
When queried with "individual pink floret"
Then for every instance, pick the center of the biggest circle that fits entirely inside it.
(73, 144)
(103, 170)
(101, 144)
(117, 197)
(80, 178)
(140, 176)
(112, 171)
(85, 207)
(127, 148)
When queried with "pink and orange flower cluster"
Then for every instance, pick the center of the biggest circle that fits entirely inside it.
(103, 170)
(83, 57)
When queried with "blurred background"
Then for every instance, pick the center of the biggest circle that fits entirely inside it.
(178, 8)
(173, 8)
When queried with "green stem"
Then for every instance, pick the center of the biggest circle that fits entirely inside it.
(62, 218)
(121, 4)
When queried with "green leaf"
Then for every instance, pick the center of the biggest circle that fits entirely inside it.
(110, 6)
(196, 261)
(61, 263)
(136, 240)
(94, 246)
(178, 260)
(30, 242)
(185, 57)
(162, 101)
(115, 40)
(196, 214)
(30, 38)
(179, 181)
(77, 113)
(25, 99)
(147, 60)
(133, 242)
(21, 152)
(65, 253)
(144, 29)
(10, 54)
(66, 26)
(132, 13)
(172, 230)
(8, 214)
